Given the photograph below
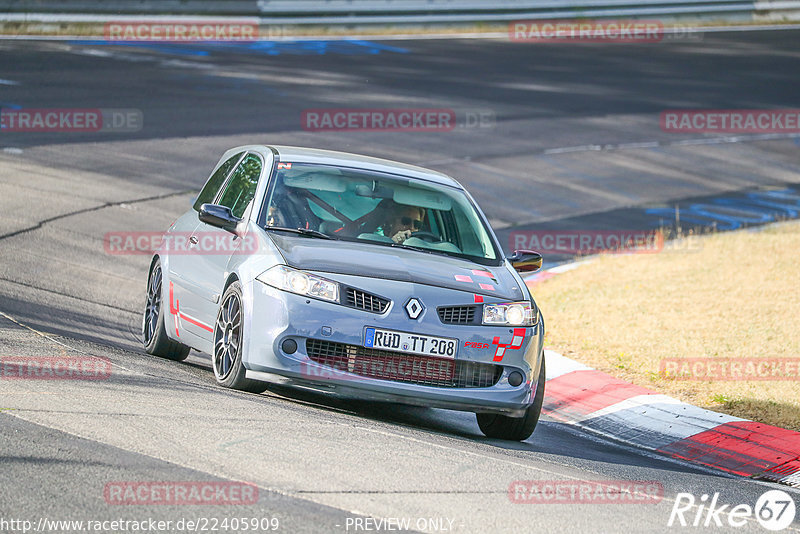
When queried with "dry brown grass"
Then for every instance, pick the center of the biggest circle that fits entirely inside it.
(738, 296)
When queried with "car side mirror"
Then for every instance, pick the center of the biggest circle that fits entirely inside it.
(526, 261)
(219, 216)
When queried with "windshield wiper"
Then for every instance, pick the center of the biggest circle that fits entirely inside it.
(423, 249)
(302, 231)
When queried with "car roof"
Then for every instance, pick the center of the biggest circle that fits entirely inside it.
(345, 159)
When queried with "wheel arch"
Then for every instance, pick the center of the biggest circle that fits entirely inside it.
(153, 261)
(232, 277)
(166, 303)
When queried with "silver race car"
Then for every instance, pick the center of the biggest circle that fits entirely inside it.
(351, 275)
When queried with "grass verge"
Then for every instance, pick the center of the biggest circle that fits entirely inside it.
(737, 295)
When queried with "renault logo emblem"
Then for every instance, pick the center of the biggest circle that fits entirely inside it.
(414, 308)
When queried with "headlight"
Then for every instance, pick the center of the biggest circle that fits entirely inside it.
(301, 283)
(511, 314)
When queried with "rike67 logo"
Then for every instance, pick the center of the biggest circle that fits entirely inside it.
(774, 510)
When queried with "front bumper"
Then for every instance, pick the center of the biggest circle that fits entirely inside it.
(274, 316)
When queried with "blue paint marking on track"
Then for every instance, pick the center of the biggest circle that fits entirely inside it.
(316, 47)
(270, 48)
(757, 207)
(376, 48)
(6, 105)
(224, 85)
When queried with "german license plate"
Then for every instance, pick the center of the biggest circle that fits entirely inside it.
(442, 347)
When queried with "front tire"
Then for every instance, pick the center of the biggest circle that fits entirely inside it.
(515, 428)
(228, 333)
(154, 334)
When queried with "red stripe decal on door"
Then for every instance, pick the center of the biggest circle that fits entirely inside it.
(175, 309)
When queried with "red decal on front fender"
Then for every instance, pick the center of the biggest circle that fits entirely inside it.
(516, 342)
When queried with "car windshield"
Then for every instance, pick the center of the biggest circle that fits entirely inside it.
(377, 208)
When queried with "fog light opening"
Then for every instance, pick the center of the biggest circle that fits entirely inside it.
(289, 346)
(515, 378)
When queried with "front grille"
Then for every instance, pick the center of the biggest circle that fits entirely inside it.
(457, 314)
(403, 367)
(362, 300)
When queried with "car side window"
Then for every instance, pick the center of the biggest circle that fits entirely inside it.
(241, 187)
(209, 191)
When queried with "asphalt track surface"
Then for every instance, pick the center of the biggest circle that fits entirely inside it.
(320, 463)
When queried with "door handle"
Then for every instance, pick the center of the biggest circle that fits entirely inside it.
(193, 240)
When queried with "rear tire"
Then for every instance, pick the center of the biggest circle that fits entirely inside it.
(228, 333)
(154, 335)
(515, 428)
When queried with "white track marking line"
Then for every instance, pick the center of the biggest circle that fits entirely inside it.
(57, 342)
(680, 142)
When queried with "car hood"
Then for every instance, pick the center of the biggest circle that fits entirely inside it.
(390, 263)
